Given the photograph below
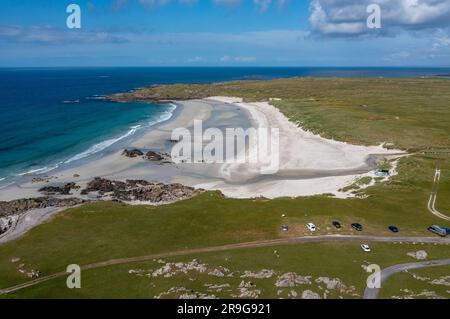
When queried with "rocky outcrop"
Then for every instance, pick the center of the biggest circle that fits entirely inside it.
(291, 279)
(133, 153)
(153, 156)
(59, 190)
(419, 255)
(140, 190)
(308, 294)
(6, 223)
(22, 205)
(150, 155)
(103, 186)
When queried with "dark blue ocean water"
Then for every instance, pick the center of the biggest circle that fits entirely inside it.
(39, 129)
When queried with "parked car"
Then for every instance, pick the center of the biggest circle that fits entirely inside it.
(366, 248)
(337, 224)
(393, 229)
(438, 230)
(357, 227)
(285, 227)
(311, 227)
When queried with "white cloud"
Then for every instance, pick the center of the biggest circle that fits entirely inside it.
(337, 17)
(238, 59)
(50, 35)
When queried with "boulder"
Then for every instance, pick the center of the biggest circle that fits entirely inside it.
(153, 156)
(140, 190)
(419, 255)
(59, 190)
(103, 186)
(133, 153)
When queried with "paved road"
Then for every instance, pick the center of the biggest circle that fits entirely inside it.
(433, 197)
(265, 243)
(372, 293)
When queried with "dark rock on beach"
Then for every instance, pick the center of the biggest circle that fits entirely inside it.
(153, 156)
(150, 155)
(103, 186)
(131, 190)
(133, 153)
(59, 190)
(22, 205)
(140, 190)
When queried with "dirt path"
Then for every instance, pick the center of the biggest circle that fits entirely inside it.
(372, 293)
(433, 197)
(257, 244)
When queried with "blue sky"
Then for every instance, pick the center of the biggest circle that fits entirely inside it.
(225, 33)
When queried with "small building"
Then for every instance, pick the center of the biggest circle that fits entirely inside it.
(382, 173)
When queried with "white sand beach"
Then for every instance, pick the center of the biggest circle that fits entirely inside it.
(300, 152)
(309, 164)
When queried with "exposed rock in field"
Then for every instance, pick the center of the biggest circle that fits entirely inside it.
(133, 153)
(419, 255)
(173, 269)
(262, 274)
(59, 190)
(336, 284)
(216, 273)
(418, 277)
(291, 279)
(184, 293)
(22, 205)
(308, 294)
(444, 281)
(30, 273)
(218, 288)
(247, 290)
(424, 294)
(247, 293)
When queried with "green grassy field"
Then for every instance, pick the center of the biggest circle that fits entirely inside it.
(341, 261)
(411, 114)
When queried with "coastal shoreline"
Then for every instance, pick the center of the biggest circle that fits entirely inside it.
(322, 167)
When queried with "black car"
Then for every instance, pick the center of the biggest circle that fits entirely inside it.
(357, 227)
(337, 224)
(393, 229)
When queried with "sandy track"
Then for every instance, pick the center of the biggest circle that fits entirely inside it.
(433, 197)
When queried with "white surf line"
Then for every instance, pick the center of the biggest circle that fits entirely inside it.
(433, 197)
